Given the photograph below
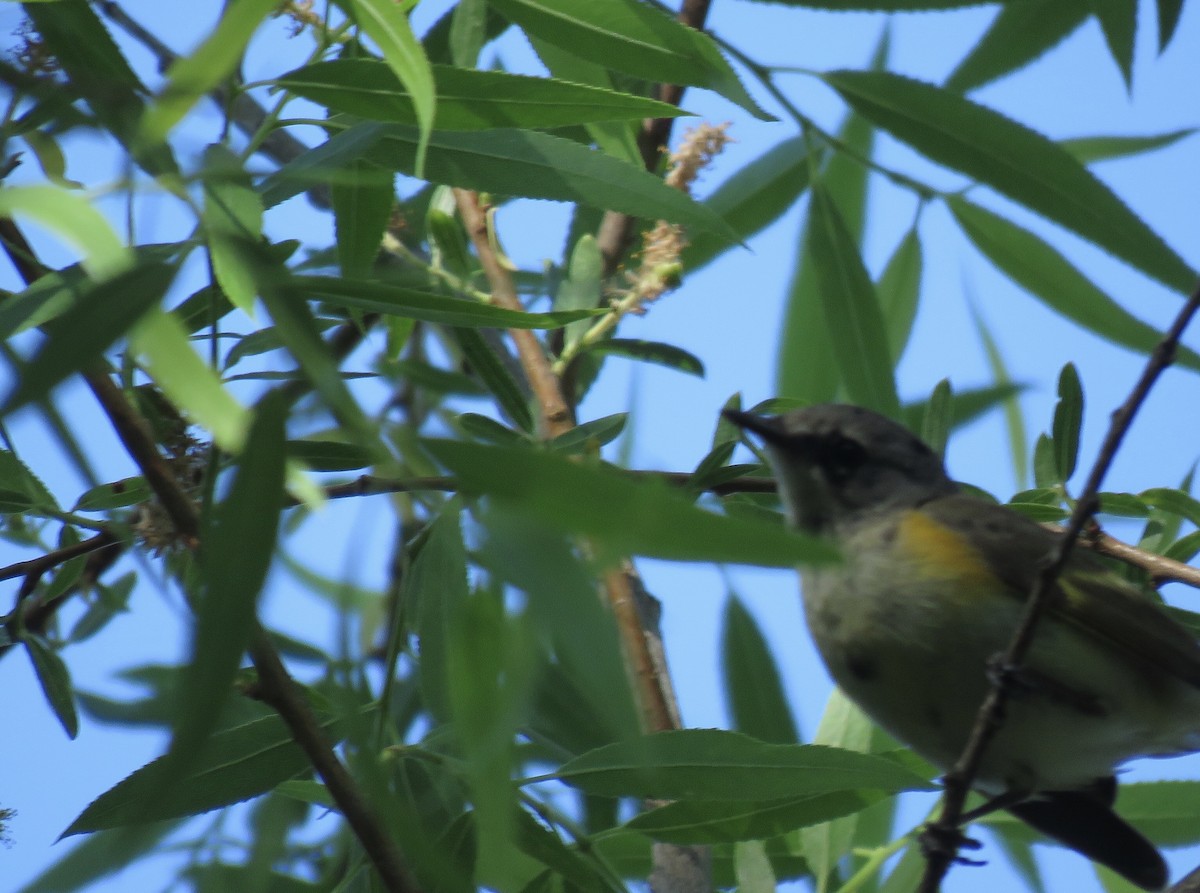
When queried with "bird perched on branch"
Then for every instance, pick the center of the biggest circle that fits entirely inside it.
(930, 590)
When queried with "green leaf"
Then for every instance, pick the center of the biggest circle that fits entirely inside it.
(468, 33)
(753, 868)
(719, 821)
(238, 542)
(114, 495)
(99, 856)
(489, 430)
(806, 368)
(626, 516)
(233, 765)
(899, 289)
(754, 692)
(582, 287)
(362, 207)
(1042, 271)
(1174, 501)
(938, 419)
(435, 589)
(1014, 160)
(328, 455)
(387, 24)
(192, 76)
(379, 297)
(1014, 420)
(485, 362)
(590, 435)
(22, 486)
(1068, 419)
(1090, 149)
(632, 37)
(322, 165)
(1168, 20)
(233, 215)
(851, 308)
(102, 314)
(74, 219)
(710, 764)
(537, 165)
(55, 680)
(467, 99)
(651, 352)
(754, 197)
(1019, 34)
(1118, 21)
(1045, 464)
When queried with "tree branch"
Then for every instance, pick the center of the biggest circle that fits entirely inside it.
(989, 720)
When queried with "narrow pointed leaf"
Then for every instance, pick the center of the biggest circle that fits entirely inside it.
(1046, 274)
(1068, 419)
(496, 377)
(627, 516)
(1118, 21)
(1015, 161)
(1168, 20)
(711, 764)
(362, 207)
(651, 352)
(233, 215)
(467, 99)
(852, 314)
(1091, 149)
(632, 37)
(435, 588)
(899, 290)
(55, 680)
(753, 688)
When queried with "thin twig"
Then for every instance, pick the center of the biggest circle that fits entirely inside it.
(989, 720)
(615, 233)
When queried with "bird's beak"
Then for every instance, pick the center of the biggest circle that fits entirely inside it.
(766, 427)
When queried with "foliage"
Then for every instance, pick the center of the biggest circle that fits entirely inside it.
(491, 720)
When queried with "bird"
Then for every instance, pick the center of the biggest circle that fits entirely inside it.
(928, 594)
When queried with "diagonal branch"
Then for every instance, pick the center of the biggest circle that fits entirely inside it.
(988, 722)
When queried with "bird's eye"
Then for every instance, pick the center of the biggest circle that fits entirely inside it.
(843, 457)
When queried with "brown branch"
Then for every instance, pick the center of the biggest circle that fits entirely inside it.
(35, 567)
(615, 233)
(295, 711)
(989, 720)
(557, 417)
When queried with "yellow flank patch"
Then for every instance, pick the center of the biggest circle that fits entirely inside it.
(940, 551)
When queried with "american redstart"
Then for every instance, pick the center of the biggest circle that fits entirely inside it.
(929, 592)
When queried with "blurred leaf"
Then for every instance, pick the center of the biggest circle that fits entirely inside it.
(504, 386)
(1042, 271)
(238, 542)
(1124, 504)
(1014, 160)
(581, 288)
(100, 855)
(634, 38)
(102, 314)
(1168, 20)
(753, 688)
(1045, 463)
(114, 495)
(1118, 21)
(232, 215)
(1175, 501)
(536, 165)
(718, 821)
(379, 297)
(938, 420)
(328, 455)
(753, 198)
(851, 309)
(362, 207)
(1014, 420)
(76, 220)
(190, 77)
(806, 366)
(710, 764)
(1019, 34)
(627, 516)
(22, 486)
(467, 99)
(468, 32)
(899, 289)
(753, 867)
(1103, 148)
(1068, 418)
(487, 429)
(651, 352)
(188, 381)
(434, 589)
(233, 765)
(590, 435)
(386, 23)
(55, 680)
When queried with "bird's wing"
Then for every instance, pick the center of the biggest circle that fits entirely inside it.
(1089, 595)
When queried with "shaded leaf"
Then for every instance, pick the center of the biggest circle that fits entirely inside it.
(467, 99)
(1090, 149)
(362, 207)
(1068, 419)
(591, 434)
(329, 455)
(55, 680)
(938, 420)
(627, 516)
(114, 495)
(232, 215)
(899, 289)
(651, 352)
(1014, 160)
(435, 589)
(753, 688)
(1118, 21)
(710, 764)
(504, 386)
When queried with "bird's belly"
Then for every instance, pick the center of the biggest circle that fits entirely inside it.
(916, 661)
